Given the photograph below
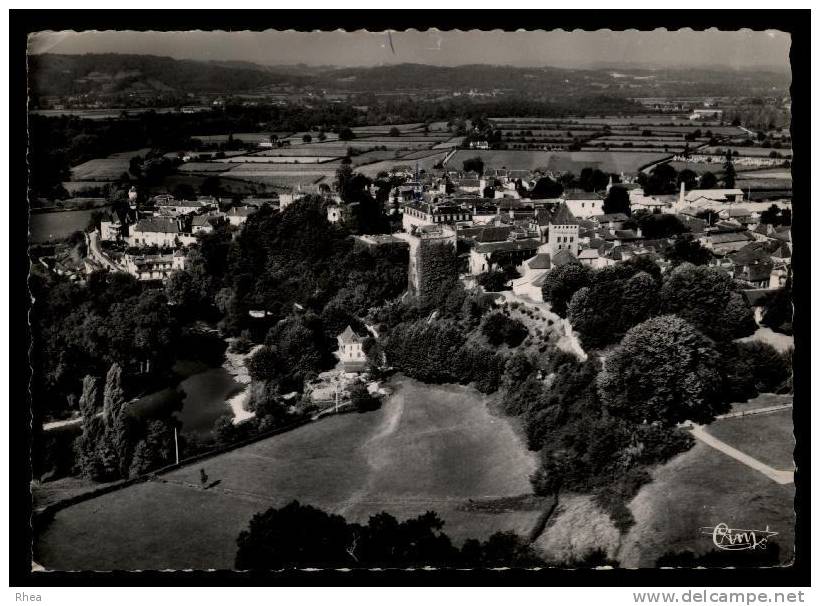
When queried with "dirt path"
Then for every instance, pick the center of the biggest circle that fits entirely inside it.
(755, 411)
(781, 477)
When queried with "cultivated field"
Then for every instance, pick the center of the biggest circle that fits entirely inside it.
(427, 448)
(100, 169)
(607, 161)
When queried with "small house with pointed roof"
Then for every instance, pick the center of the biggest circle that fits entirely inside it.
(351, 351)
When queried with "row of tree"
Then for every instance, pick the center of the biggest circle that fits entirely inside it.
(114, 445)
(302, 536)
(603, 304)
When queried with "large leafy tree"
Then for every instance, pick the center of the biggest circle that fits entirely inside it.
(546, 187)
(729, 172)
(562, 282)
(664, 371)
(709, 299)
(688, 250)
(301, 536)
(617, 200)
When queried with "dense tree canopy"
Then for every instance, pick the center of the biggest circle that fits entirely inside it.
(562, 282)
(663, 371)
(617, 201)
(302, 536)
(709, 299)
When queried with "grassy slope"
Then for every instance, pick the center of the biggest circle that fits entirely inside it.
(700, 488)
(429, 447)
(769, 438)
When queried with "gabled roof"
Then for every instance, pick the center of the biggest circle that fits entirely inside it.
(727, 237)
(179, 203)
(348, 336)
(589, 253)
(784, 251)
(539, 261)
(736, 212)
(490, 233)
(563, 257)
(758, 270)
(582, 195)
(508, 246)
(717, 195)
(200, 220)
(563, 216)
(163, 225)
(607, 217)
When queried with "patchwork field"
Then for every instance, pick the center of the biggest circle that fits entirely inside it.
(428, 447)
(294, 159)
(608, 161)
(100, 169)
(749, 151)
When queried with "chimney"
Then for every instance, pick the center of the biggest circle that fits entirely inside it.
(639, 231)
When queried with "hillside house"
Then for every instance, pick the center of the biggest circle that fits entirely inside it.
(488, 255)
(708, 198)
(531, 282)
(175, 208)
(205, 224)
(165, 232)
(238, 215)
(351, 351)
(148, 268)
(726, 242)
(426, 213)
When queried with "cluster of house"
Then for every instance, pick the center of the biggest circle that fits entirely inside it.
(535, 236)
(756, 161)
(167, 223)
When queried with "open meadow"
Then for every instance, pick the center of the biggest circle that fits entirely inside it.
(768, 437)
(704, 487)
(428, 448)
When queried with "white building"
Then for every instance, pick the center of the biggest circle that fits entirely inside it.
(351, 351)
(154, 267)
(707, 198)
(238, 215)
(531, 282)
(165, 232)
(584, 204)
(562, 232)
(424, 213)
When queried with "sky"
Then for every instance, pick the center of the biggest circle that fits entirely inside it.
(576, 49)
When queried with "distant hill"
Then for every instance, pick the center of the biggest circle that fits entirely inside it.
(116, 74)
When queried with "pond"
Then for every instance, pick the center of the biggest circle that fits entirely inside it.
(206, 399)
(47, 227)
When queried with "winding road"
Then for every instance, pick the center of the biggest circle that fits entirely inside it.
(97, 254)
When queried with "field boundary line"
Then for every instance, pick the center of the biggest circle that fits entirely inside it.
(779, 476)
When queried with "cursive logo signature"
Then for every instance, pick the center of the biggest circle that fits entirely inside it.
(734, 539)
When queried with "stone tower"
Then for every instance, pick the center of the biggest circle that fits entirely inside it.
(562, 232)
